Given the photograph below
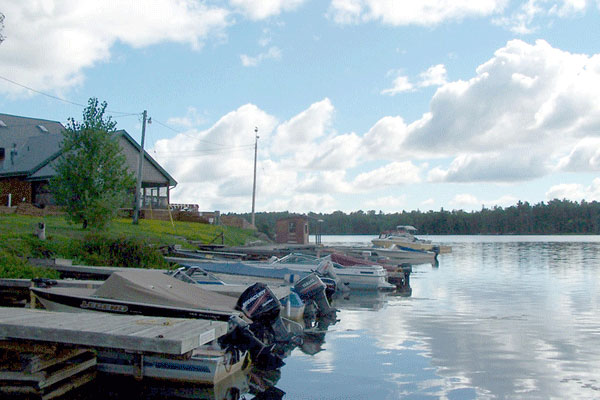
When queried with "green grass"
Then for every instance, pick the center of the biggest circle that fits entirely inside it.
(120, 244)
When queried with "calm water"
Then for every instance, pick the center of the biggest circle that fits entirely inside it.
(501, 317)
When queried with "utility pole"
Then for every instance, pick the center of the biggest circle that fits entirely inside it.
(138, 185)
(254, 184)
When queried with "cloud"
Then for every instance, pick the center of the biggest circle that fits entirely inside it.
(262, 9)
(434, 76)
(387, 204)
(469, 202)
(304, 128)
(575, 191)
(524, 110)
(504, 167)
(191, 119)
(274, 53)
(423, 13)
(400, 84)
(523, 20)
(50, 43)
(393, 174)
(585, 156)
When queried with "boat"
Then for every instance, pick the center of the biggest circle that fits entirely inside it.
(205, 365)
(360, 277)
(292, 305)
(404, 237)
(153, 293)
(389, 255)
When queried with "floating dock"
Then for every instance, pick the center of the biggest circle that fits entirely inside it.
(46, 354)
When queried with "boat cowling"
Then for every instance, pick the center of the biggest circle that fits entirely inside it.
(312, 289)
(240, 337)
(259, 303)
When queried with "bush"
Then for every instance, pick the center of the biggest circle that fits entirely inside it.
(13, 267)
(120, 251)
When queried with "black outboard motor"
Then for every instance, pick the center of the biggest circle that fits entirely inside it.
(312, 289)
(242, 338)
(260, 304)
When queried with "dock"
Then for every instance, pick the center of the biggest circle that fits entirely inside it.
(47, 354)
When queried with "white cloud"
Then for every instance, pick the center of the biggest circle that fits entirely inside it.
(585, 156)
(262, 9)
(524, 110)
(399, 85)
(304, 128)
(575, 191)
(49, 43)
(387, 204)
(469, 202)
(523, 20)
(424, 13)
(191, 119)
(274, 53)
(434, 76)
(393, 174)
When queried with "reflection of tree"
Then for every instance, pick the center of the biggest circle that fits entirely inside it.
(1, 27)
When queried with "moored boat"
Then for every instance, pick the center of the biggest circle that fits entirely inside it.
(404, 236)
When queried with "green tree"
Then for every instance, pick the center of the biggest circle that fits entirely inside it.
(92, 179)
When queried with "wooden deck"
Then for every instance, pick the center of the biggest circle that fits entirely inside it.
(99, 330)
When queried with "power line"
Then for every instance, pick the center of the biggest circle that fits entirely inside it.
(123, 114)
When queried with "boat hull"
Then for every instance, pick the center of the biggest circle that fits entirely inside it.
(202, 367)
(390, 243)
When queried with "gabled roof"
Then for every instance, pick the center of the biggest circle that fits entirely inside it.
(32, 144)
(147, 157)
(27, 143)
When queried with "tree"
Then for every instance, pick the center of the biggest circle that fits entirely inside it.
(92, 179)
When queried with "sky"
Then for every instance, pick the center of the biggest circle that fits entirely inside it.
(357, 104)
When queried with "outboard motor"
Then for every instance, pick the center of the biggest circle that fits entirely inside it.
(260, 304)
(312, 289)
(326, 270)
(241, 337)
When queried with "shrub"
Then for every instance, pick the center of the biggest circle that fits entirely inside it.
(120, 251)
(13, 267)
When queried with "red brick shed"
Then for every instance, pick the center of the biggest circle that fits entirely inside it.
(292, 230)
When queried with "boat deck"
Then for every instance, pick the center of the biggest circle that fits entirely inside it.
(98, 330)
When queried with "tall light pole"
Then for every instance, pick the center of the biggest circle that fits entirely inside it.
(254, 184)
(138, 185)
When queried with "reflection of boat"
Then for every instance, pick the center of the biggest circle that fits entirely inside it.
(125, 388)
(360, 300)
(404, 236)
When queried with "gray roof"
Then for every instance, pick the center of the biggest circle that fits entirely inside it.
(30, 145)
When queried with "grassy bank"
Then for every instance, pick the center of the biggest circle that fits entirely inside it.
(121, 244)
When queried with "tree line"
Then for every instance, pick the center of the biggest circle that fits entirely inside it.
(554, 217)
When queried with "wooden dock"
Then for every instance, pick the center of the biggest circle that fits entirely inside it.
(46, 354)
(132, 333)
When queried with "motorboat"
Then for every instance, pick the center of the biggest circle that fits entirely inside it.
(153, 293)
(361, 277)
(389, 255)
(292, 304)
(404, 237)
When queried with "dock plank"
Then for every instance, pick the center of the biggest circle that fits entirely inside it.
(133, 333)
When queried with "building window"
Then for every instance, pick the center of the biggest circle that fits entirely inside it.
(2, 153)
(292, 227)
(305, 229)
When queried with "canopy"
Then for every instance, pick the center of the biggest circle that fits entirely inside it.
(155, 287)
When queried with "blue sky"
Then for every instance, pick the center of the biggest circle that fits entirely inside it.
(360, 104)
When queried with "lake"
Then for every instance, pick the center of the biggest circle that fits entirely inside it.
(501, 317)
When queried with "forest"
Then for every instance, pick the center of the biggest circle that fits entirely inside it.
(554, 217)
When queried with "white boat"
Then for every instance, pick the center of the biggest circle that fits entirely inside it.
(404, 237)
(361, 277)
